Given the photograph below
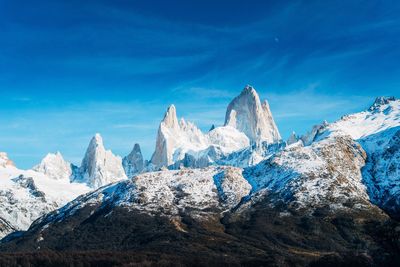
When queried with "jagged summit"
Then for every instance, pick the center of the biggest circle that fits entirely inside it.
(247, 114)
(176, 136)
(100, 166)
(247, 121)
(293, 138)
(55, 167)
(133, 163)
(380, 101)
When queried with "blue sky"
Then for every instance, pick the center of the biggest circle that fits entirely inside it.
(69, 69)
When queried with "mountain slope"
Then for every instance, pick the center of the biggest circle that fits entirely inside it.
(27, 195)
(377, 131)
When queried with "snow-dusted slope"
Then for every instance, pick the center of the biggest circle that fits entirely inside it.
(382, 171)
(382, 115)
(326, 173)
(100, 166)
(54, 166)
(248, 115)
(27, 195)
(377, 131)
(196, 192)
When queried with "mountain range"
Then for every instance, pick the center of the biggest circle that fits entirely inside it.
(236, 195)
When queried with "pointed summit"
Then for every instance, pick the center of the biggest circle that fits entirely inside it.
(55, 167)
(133, 163)
(170, 119)
(248, 115)
(293, 138)
(169, 127)
(175, 138)
(100, 166)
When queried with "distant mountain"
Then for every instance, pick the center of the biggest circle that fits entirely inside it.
(134, 163)
(27, 195)
(99, 166)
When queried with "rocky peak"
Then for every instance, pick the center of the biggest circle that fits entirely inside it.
(55, 167)
(293, 138)
(5, 161)
(133, 163)
(247, 114)
(100, 166)
(170, 119)
(380, 101)
(316, 130)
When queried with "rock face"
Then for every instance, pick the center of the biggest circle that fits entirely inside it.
(55, 167)
(100, 166)
(377, 131)
(326, 173)
(174, 139)
(293, 138)
(316, 130)
(382, 171)
(248, 115)
(231, 186)
(133, 163)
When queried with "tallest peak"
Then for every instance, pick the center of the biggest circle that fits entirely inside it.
(247, 114)
(170, 119)
(97, 140)
(249, 89)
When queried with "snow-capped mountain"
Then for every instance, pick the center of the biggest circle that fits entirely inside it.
(327, 172)
(54, 166)
(100, 166)
(377, 130)
(248, 121)
(26, 195)
(333, 184)
(247, 114)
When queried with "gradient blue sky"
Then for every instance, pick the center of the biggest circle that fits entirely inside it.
(69, 69)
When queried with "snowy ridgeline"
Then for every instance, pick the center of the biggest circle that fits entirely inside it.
(338, 169)
(324, 167)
